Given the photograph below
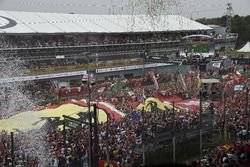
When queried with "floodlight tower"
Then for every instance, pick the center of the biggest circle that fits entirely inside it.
(229, 16)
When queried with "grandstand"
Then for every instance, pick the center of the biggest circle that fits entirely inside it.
(52, 43)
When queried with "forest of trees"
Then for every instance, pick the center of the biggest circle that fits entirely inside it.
(240, 25)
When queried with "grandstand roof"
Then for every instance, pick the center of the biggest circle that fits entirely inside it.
(29, 22)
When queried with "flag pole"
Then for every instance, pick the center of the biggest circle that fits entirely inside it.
(224, 116)
(247, 91)
(174, 156)
(96, 139)
(200, 122)
(90, 117)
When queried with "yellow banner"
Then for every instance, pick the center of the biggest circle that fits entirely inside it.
(92, 66)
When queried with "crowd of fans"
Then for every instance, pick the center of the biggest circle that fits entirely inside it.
(119, 142)
(233, 155)
(236, 123)
(80, 40)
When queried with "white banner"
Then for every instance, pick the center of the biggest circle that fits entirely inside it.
(217, 65)
(40, 77)
(238, 87)
(133, 67)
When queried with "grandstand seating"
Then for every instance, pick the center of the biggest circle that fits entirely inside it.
(45, 41)
(40, 52)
